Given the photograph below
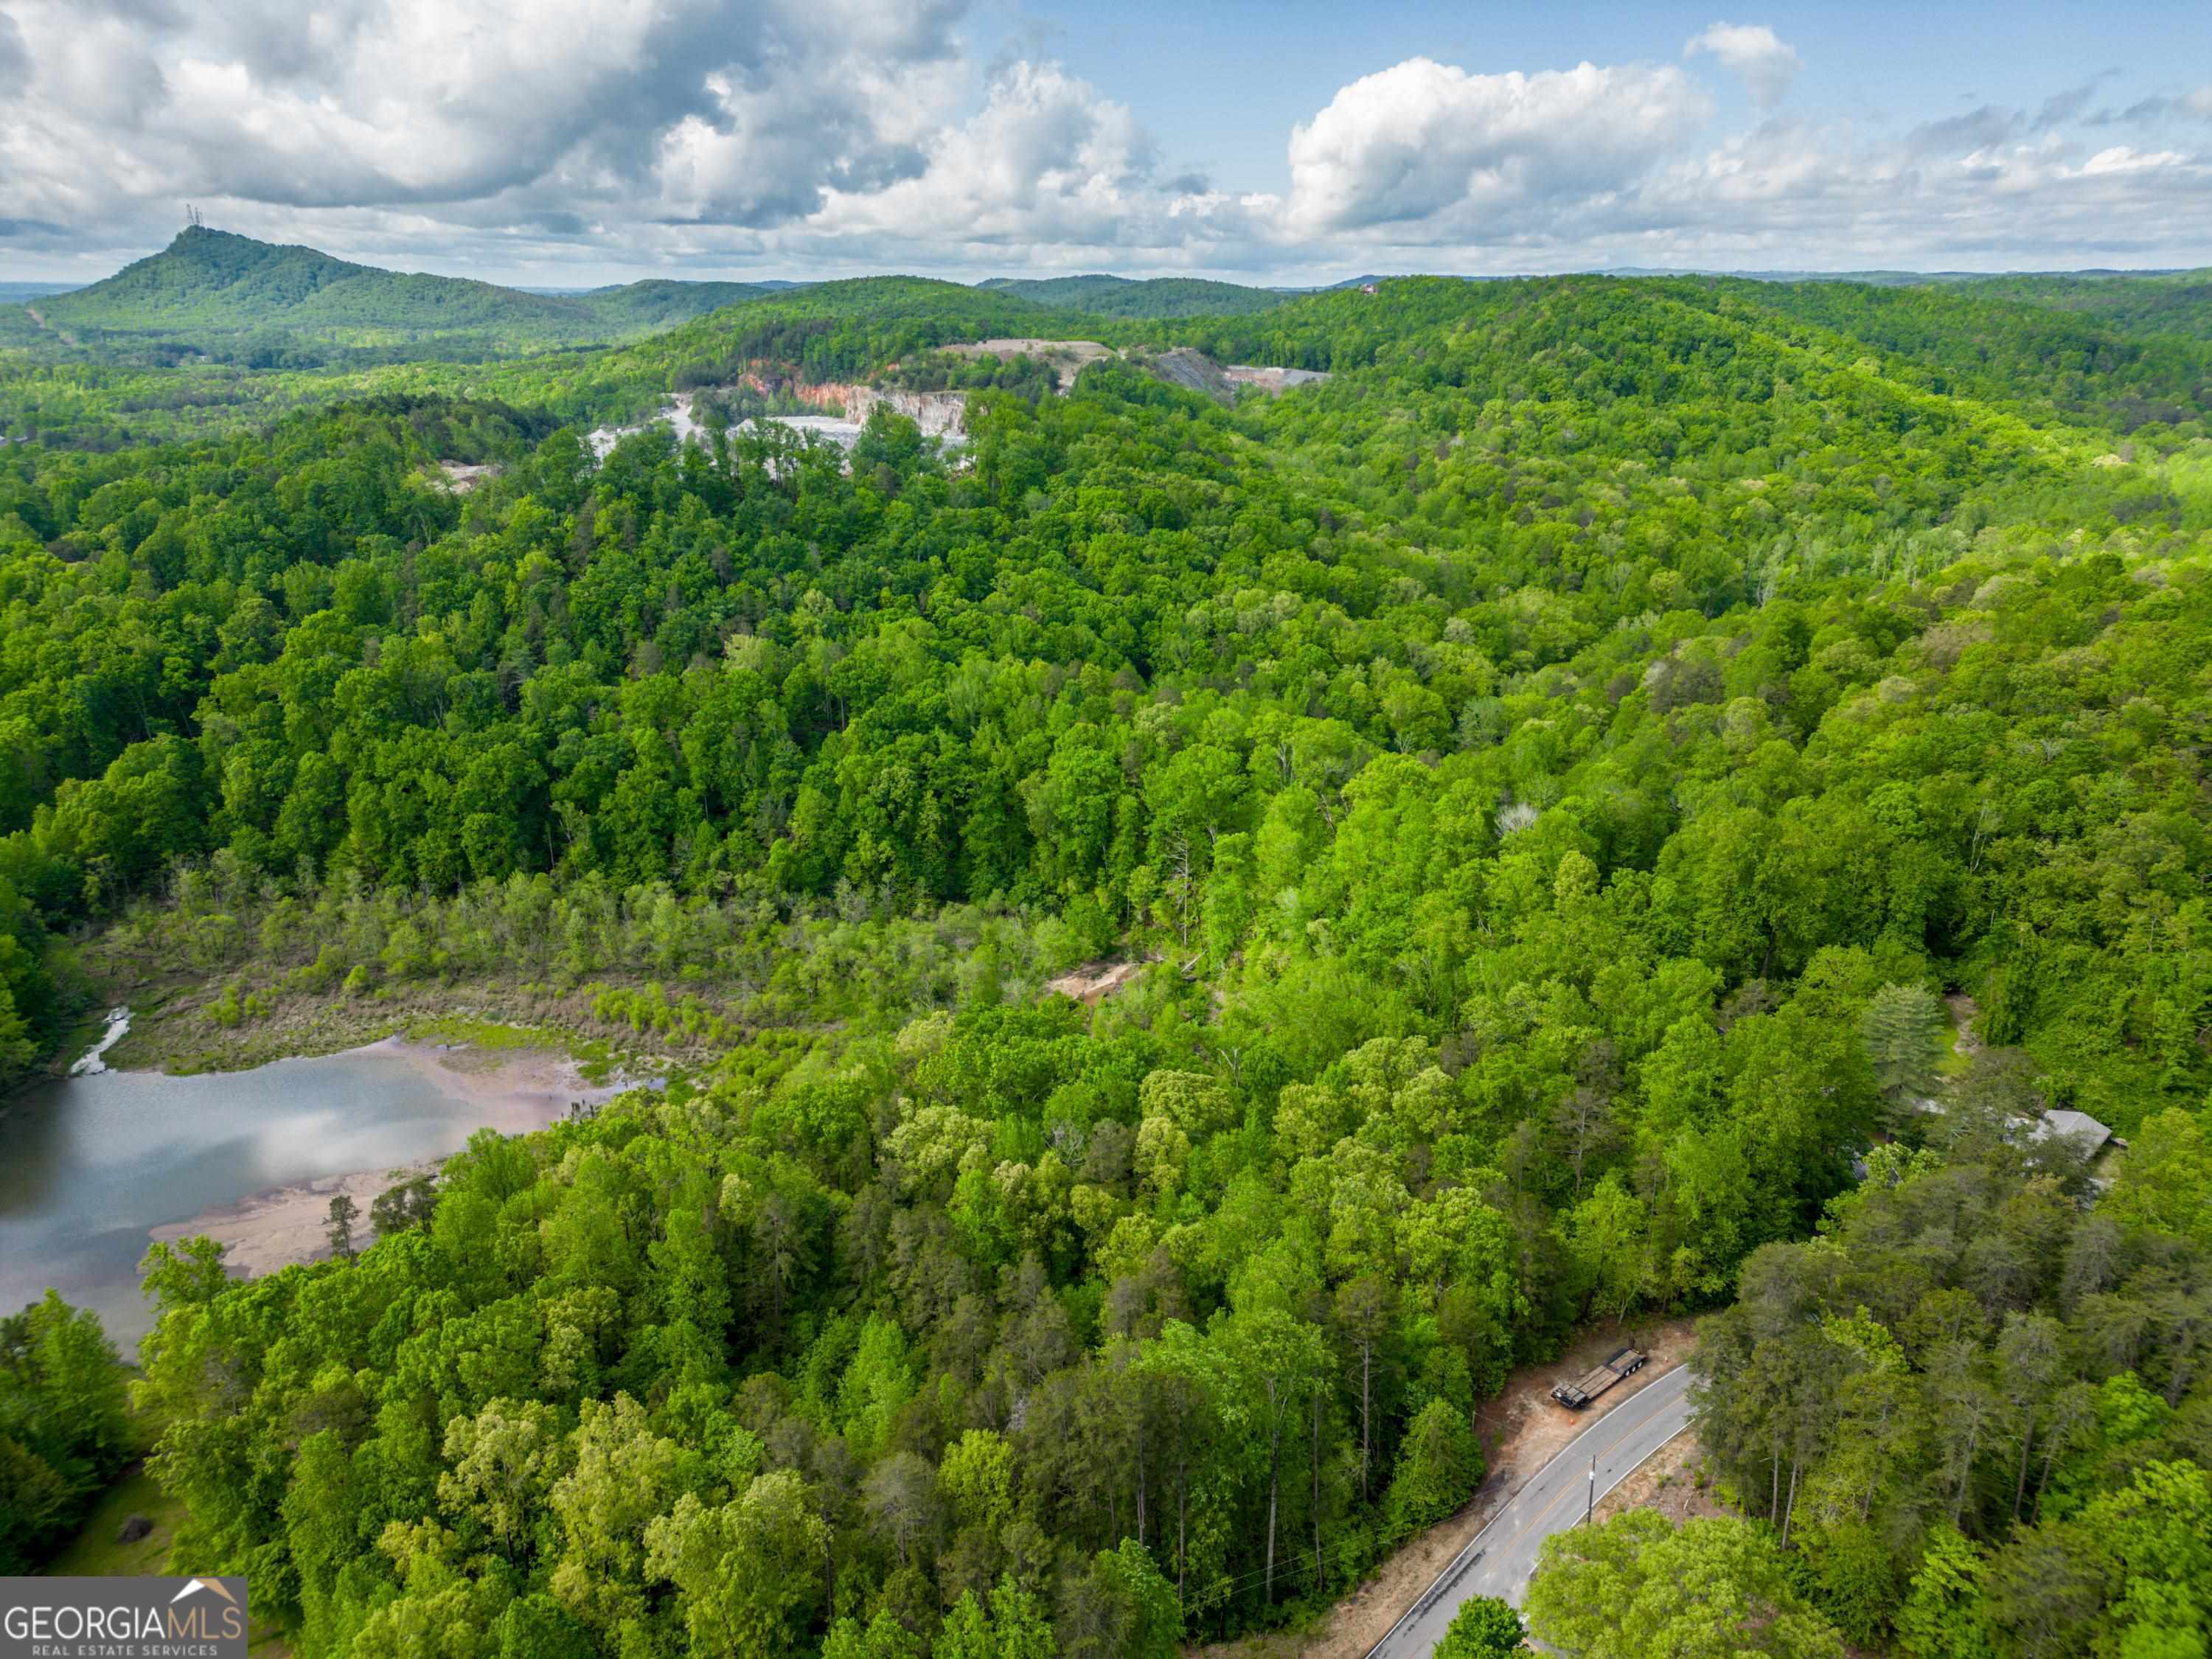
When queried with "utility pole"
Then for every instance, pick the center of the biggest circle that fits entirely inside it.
(1590, 1510)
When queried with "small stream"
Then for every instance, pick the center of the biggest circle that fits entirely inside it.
(91, 1063)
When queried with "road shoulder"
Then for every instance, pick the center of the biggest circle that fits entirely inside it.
(1521, 1429)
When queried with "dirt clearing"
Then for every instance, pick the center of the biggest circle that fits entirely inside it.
(1095, 981)
(1068, 358)
(1674, 1480)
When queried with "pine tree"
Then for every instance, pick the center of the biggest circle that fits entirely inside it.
(342, 1212)
(1903, 1029)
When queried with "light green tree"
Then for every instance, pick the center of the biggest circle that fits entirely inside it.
(1638, 1587)
(884, 1637)
(1014, 1627)
(976, 1477)
(747, 1572)
(1942, 1618)
(501, 1461)
(624, 1476)
(2166, 1176)
(1484, 1628)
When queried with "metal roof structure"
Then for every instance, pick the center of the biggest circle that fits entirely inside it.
(2077, 1126)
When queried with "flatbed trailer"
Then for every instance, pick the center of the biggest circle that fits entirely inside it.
(1594, 1382)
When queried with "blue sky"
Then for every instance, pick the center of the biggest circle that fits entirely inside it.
(577, 141)
(1170, 63)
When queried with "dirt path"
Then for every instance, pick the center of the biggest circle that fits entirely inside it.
(1964, 1012)
(1521, 1429)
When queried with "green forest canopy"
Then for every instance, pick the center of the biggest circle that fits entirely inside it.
(1121, 296)
(1554, 760)
(2044, 363)
(2171, 302)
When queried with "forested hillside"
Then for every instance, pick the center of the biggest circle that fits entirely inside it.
(212, 293)
(827, 331)
(2174, 302)
(1121, 296)
(1977, 1406)
(1978, 339)
(2045, 364)
(1553, 769)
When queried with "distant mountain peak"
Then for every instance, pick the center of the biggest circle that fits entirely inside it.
(208, 286)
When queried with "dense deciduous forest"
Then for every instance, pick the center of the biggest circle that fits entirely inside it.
(1161, 296)
(2015, 344)
(1975, 1405)
(829, 333)
(2172, 302)
(1557, 765)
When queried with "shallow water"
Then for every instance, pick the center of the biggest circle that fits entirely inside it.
(88, 1164)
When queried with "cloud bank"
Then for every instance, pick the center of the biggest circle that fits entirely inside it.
(811, 136)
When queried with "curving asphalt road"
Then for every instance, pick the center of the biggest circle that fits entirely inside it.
(1500, 1558)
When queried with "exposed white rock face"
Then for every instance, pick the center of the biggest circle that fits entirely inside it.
(939, 414)
(1275, 380)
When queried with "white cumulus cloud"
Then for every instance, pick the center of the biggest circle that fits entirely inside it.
(1767, 64)
(1426, 142)
(1047, 160)
(812, 138)
(557, 111)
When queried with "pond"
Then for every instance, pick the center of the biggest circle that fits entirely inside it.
(91, 1166)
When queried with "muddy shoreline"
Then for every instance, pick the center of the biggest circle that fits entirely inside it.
(266, 1231)
(513, 1091)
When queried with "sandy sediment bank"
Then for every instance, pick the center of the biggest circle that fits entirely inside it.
(513, 1091)
(516, 1090)
(285, 1225)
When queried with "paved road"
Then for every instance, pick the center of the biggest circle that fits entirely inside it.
(1499, 1559)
